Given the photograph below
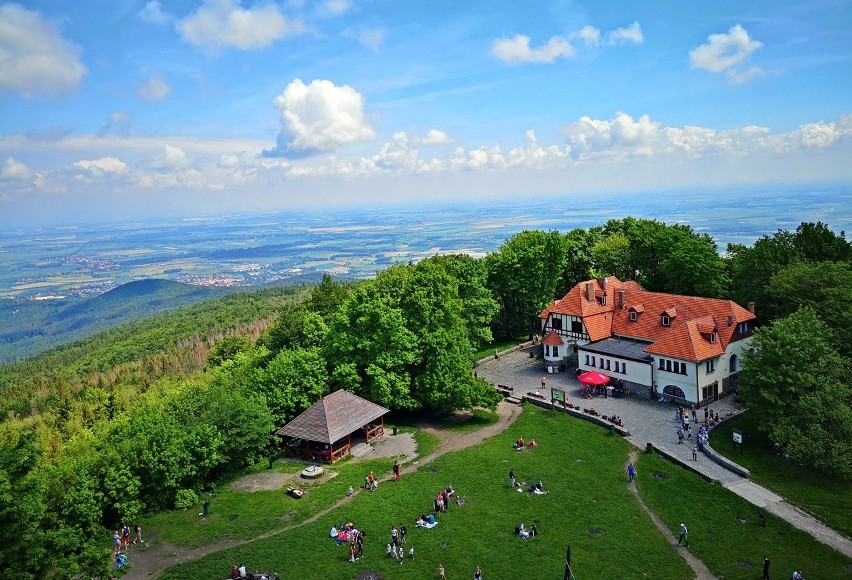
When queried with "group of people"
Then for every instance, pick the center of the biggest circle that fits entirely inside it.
(395, 549)
(523, 532)
(348, 534)
(370, 482)
(442, 498)
(520, 444)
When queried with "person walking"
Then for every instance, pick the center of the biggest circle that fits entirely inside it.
(706, 413)
(543, 381)
(477, 574)
(512, 477)
(402, 532)
(396, 470)
(766, 564)
(441, 574)
(695, 452)
(684, 535)
(679, 435)
(631, 472)
(694, 415)
(138, 538)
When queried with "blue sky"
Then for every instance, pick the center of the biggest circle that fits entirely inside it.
(133, 108)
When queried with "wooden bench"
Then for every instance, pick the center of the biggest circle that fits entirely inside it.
(506, 389)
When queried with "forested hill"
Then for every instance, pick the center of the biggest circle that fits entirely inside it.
(141, 417)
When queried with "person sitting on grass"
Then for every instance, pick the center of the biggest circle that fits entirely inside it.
(421, 521)
(532, 443)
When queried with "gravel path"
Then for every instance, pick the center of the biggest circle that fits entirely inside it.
(651, 422)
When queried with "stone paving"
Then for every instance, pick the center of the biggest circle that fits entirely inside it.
(652, 422)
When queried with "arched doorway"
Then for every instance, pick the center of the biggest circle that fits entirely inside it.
(734, 366)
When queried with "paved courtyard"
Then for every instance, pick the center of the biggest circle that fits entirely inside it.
(652, 422)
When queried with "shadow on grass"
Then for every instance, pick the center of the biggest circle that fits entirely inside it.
(826, 496)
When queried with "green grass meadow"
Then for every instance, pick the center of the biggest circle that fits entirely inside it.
(588, 505)
(829, 498)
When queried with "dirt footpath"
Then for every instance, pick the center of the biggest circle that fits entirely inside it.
(149, 561)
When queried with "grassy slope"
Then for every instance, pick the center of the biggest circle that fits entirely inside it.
(583, 496)
(724, 530)
(828, 497)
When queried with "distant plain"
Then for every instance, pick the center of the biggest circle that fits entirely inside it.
(78, 261)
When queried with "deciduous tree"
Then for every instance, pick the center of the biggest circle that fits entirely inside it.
(799, 386)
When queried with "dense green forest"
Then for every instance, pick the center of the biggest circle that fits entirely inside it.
(31, 327)
(144, 416)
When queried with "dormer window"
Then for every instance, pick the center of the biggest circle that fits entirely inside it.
(603, 300)
(633, 316)
(712, 338)
(666, 320)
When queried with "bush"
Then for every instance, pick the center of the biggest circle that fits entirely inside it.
(185, 498)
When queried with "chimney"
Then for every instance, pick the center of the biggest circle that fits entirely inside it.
(621, 299)
(751, 307)
(603, 284)
(590, 291)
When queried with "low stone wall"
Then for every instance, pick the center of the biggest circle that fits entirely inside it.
(725, 462)
(520, 346)
(678, 461)
(599, 421)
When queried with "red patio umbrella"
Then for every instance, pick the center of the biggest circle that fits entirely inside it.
(594, 378)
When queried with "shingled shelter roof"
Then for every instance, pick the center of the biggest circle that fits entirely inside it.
(333, 417)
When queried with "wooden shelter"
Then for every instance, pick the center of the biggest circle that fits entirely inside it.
(324, 432)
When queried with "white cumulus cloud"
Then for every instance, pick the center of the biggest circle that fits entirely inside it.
(153, 13)
(34, 58)
(154, 89)
(723, 52)
(517, 49)
(171, 158)
(14, 169)
(631, 34)
(225, 23)
(434, 137)
(320, 116)
(588, 137)
(102, 166)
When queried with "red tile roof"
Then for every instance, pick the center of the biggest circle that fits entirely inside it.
(552, 339)
(692, 319)
(333, 417)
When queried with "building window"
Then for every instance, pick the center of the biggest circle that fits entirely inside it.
(593, 360)
(711, 365)
(555, 350)
(706, 393)
(623, 367)
(577, 326)
(633, 316)
(712, 338)
(669, 366)
(603, 299)
(607, 364)
(662, 366)
(673, 391)
(666, 320)
(742, 328)
(587, 360)
(735, 364)
(556, 323)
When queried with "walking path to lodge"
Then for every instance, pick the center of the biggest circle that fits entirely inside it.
(649, 421)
